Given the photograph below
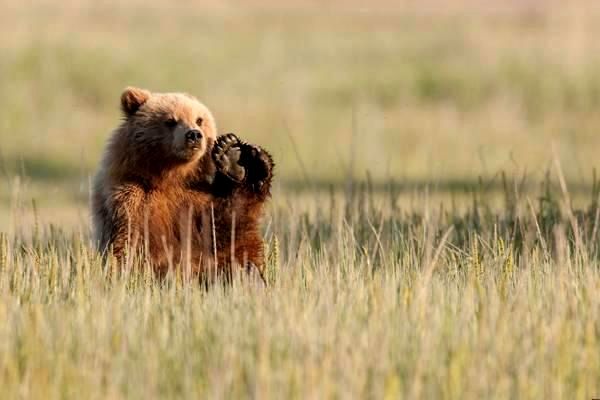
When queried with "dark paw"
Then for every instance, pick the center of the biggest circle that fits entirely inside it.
(258, 164)
(242, 162)
(226, 153)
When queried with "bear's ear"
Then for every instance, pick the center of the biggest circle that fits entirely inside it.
(132, 99)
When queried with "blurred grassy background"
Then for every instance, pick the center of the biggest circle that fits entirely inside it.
(409, 91)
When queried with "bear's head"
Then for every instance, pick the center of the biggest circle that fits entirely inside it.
(161, 132)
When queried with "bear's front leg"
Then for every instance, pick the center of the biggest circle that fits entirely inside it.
(244, 164)
(242, 185)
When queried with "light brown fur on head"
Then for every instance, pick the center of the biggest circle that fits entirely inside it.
(151, 141)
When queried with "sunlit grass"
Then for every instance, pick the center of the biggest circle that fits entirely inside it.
(365, 299)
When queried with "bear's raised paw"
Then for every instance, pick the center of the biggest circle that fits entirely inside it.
(226, 154)
(242, 162)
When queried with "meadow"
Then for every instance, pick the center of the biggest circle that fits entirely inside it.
(434, 226)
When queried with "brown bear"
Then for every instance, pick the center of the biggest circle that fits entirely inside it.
(169, 188)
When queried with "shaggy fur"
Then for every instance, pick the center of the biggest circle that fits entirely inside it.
(169, 187)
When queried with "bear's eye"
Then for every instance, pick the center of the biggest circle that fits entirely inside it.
(170, 123)
(199, 121)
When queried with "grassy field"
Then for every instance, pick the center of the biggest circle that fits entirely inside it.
(434, 230)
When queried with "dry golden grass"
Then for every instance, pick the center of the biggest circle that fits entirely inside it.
(365, 300)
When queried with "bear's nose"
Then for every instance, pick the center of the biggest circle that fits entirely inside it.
(193, 136)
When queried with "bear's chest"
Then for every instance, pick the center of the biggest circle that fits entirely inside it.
(172, 213)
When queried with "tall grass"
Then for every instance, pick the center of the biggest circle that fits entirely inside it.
(365, 300)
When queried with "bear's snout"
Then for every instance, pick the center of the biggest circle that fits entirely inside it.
(193, 136)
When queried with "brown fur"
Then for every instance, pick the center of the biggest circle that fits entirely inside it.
(156, 193)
